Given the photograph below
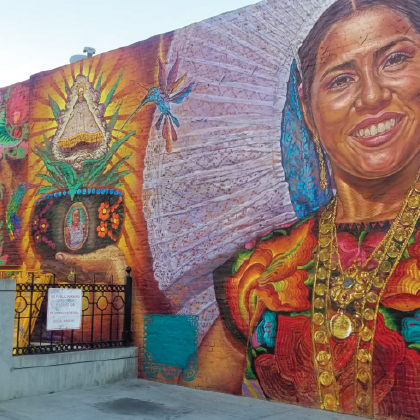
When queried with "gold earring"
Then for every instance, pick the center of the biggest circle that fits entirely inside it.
(323, 176)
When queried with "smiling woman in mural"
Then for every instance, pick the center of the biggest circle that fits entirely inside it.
(328, 308)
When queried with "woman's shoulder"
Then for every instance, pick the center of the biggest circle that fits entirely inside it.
(260, 267)
(286, 239)
(282, 234)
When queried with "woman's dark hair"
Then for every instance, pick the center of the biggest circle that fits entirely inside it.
(340, 10)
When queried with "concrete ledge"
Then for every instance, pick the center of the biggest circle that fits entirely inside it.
(7, 285)
(45, 374)
(85, 356)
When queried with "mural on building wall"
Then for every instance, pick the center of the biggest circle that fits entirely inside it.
(259, 172)
(14, 131)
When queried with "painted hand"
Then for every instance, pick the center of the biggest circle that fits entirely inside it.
(109, 260)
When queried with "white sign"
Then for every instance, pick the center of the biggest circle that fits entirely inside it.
(64, 309)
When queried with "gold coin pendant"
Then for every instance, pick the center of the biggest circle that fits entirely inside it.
(341, 326)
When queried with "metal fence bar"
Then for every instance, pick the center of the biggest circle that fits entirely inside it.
(127, 335)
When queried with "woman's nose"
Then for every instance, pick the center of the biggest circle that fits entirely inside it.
(372, 93)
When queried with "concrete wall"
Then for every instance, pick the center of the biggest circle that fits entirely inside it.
(22, 376)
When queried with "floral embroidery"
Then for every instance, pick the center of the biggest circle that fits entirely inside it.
(102, 229)
(115, 220)
(273, 275)
(37, 237)
(103, 211)
(43, 225)
(352, 252)
(35, 223)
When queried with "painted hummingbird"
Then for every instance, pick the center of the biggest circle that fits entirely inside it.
(163, 95)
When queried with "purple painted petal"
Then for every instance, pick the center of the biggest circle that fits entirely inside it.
(173, 73)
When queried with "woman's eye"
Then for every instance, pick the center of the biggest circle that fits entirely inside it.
(341, 81)
(395, 59)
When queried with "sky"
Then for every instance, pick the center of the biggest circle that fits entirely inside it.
(42, 35)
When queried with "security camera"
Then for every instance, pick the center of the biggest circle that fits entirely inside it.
(89, 50)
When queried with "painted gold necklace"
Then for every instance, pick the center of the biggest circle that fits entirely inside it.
(346, 302)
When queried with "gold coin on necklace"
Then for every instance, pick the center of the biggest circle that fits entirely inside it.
(318, 319)
(407, 219)
(385, 267)
(320, 337)
(324, 241)
(363, 400)
(319, 303)
(372, 297)
(363, 376)
(378, 282)
(326, 378)
(330, 402)
(324, 255)
(366, 334)
(331, 265)
(325, 228)
(320, 289)
(369, 314)
(322, 273)
(323, 358)
(341, 326)
(400, 234)
(363, 356)
(414, 202)
(377, 255)
(393, 251)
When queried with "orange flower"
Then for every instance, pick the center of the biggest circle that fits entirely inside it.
(272, 276)
(115, 220)
(102, 229)
(110, 234)
(103, 211)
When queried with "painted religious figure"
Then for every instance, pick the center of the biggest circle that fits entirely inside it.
(76, 227)
(327, 309)
(82, 132)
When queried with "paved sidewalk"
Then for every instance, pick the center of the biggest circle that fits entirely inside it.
(144, 400)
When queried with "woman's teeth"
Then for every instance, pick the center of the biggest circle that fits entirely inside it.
(375, 129)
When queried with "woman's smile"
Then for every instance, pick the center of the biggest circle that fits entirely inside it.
(378, 130)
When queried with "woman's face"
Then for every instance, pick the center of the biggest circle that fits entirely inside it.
(76, 217)
(365, 97)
